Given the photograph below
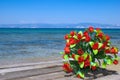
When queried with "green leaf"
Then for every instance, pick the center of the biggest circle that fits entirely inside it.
(76, 57)
(100, 45)
(93, 63)
(95, 30)
(95, 51)
(103, 65)
(90, 58)
(105, 61)
(81, 64)
(75, 37)
(85, 55)
(81, 74)
(69, 36)
(109, 61)
(116, 57)
(91, 43)
(71, 46)
(80, 32)
(66, 57)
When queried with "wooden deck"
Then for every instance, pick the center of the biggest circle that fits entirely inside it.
(51, 70)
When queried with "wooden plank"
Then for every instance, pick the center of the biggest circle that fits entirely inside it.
(29, 64)
(26, 70)
(30, 72)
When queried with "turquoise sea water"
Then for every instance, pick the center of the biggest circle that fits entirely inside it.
(39, 42)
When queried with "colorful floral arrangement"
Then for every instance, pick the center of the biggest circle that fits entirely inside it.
(88, 50)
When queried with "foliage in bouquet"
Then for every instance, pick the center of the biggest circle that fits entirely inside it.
(88, 50)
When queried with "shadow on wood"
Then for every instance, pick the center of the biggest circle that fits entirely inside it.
(100, 72)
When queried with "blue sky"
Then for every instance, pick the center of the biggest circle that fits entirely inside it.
(59, 11)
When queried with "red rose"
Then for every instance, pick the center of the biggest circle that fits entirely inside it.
(80, 59)
(85, 33)
(95, 46)
(72, 33)
(86, 63)
(80, 51)
(72, 41)
(67, 68)
(100, 35)
(91, 29)
(113, 51)
(67, 50)
(115, 62)
(87, 38)
(93, 68)
(107, 51)
(77, 41)
(73, 56)
(79, 36)
(67, 44)
(66, 36)
(103, 46)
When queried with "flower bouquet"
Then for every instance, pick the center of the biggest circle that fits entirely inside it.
(88, 50)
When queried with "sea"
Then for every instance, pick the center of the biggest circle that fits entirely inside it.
(21, 43)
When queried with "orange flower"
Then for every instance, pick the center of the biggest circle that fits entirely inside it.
(93, 68)
(113, 50)
(107, 37)
(67, 50)
(66, 36)
(67, 68)
(67, 44)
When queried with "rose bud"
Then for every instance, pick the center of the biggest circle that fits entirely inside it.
(80, 59)
(72, 33)
(95, 46)
(115, 62)
(91, 29)
(80, 51)
(107, 37)
(87, 38)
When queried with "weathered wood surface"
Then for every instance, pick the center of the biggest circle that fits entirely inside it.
(53, 71)
(27, 70)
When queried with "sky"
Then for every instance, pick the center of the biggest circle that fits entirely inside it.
(59, 11)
